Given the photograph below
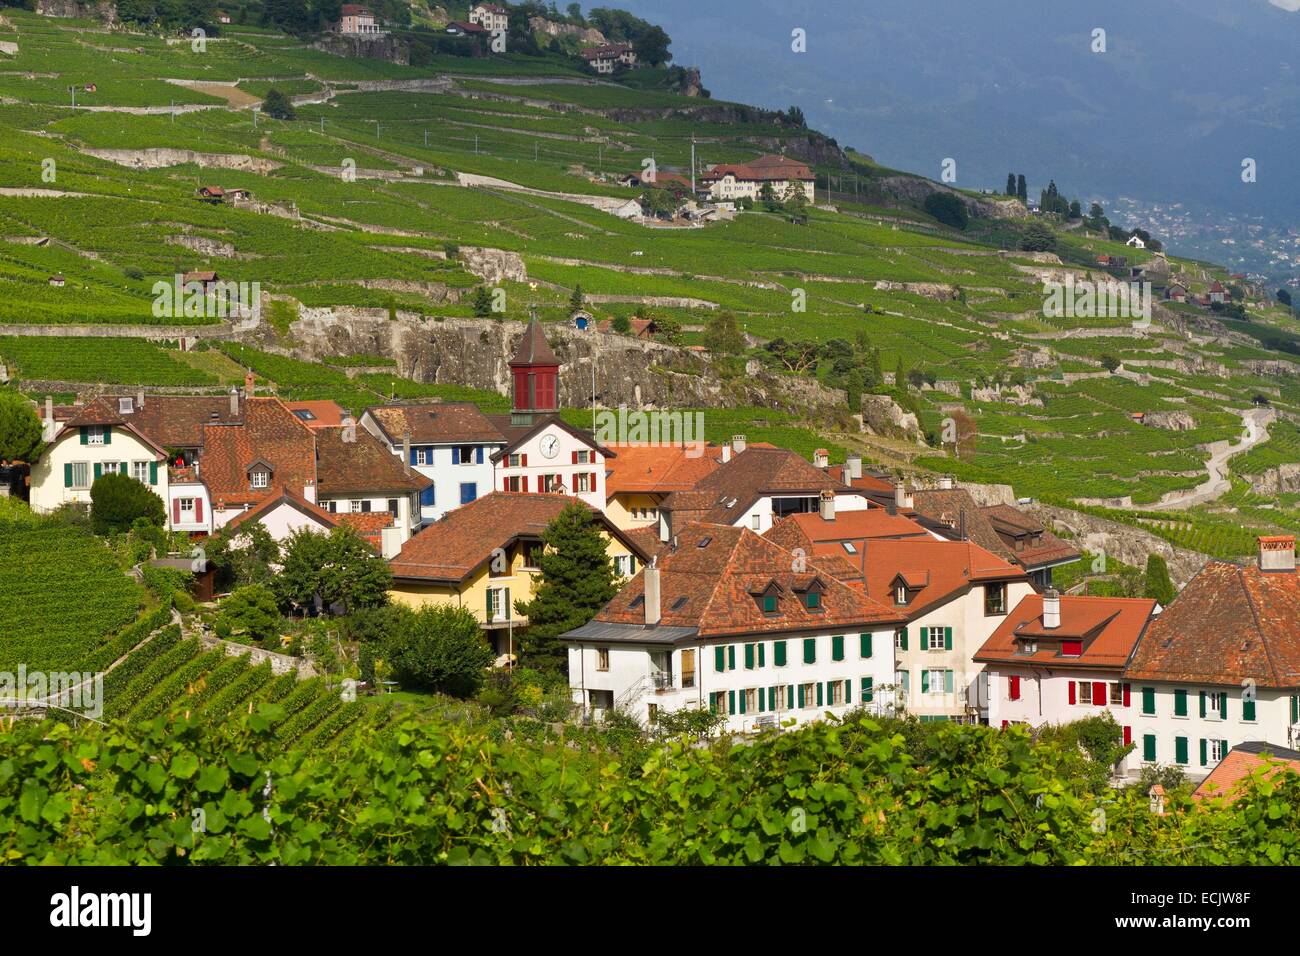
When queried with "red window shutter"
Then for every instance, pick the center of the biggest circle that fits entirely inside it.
(1128, 736)
(505, 484)
(1099, 693)
(176, 511)
(198, 509)
(523, 463)
(575, 458)
(1014, 687)
(525, 485)
(592, 486)
(1128, 689)
(1004, 725)
(1072, 692)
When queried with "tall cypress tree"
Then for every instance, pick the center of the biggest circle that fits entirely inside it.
(577, 581)
(1022, 188)
(1158, 584)
(1011, 184)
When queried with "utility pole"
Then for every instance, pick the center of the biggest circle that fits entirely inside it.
(476, 144)
(426, 137)
(322, 124)
(73, 91)
(692, 164)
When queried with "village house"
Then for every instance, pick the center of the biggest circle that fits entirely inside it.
(222, 16)
(205, 279)
(640, 476)
(1057, 659)
(357, 475)
(1176, 292)
(609, 57)
(732, 181)
(1221, 665)
(216, 195)
(1002, 530)
(459, 28)
(1217, 293)
(951, 596)
(731, 622)
(844, 538)
(484, 557)
(755, 488)
(1136, 242)
(356, 20)
(57, 280)
(490, 16)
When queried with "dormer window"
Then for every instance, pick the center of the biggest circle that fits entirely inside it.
(1071, 648)
(769, 603)
(125, 406)
(1028, 647)
(900, 594)
(259, 478)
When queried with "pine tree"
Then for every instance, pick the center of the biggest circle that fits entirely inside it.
(576, 300)
(1157, 583)
(900, 374)
(577, 581)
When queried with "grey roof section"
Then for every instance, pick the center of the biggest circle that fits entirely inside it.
(601, 632)
(1260, 747)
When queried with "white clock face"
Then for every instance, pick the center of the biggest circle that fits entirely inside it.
(550, 446)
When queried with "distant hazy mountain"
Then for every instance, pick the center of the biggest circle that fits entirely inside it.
(1185, 90)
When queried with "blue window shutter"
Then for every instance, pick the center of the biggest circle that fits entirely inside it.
(414, 451)
(478, 455)
(455, 455)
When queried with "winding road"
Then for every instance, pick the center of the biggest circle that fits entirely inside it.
(1217, 483)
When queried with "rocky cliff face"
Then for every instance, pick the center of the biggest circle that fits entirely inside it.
(385, 47)
(628, 371)
(915, 189)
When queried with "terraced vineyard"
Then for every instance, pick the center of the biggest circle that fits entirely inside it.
(959, 308)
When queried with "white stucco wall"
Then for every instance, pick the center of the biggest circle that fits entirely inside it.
(48, 484)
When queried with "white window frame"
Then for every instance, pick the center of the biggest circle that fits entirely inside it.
(140, 471)
(259, 479)
(354, 506)
(943, 683)
(581, 483)
(94, 434)
(602, 659)
(81, 474)
(186, 505)
(1215, 751)
(497, 598)
(424, 456)
(930, 634)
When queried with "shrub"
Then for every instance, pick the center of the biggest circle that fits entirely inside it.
(250, 613)
(20, 428)
(442, 650)
(277, 105)
(947, 208)
(117, 501)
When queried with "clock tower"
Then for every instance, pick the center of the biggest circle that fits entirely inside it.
(534, 378)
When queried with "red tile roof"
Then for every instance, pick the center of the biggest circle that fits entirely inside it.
(1254, 759)
(269, 433)
(451, 549)
(715, 580)
(657, 469)
(728, 492)
(434, 423)
(1230, 623)
(1031, 545)
(360, 466)
(766, 168)
(170, 421)
(1108, 629)
(936, 571)
(318, 414)
(533, 348)
(283, 496)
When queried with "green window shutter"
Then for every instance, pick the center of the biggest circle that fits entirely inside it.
(778, 653)
(810, 650)
(925, 682)
(761, 655)
(1295, 708)
(85, 435)
(731, 657)
(801, 700)
(819, 694)
(1180, 703)
(762, 699)
(1223, 707)
(153, 472)
(947, 638)
(121, 468)
(774, 698)
(864, 645)
(487, 610)
(867, 694)
(905, 679)
(1180, 750)
(789, 696)
(67, 483)
(1149, 747)
(1205, 759)
(1202, 703)
(1223, 747)
(837, 647)
(947, 682)
(505, 599)
(99, 470)
(903, 645)
(108, 434)
(749, 657)
(720, 658)
(848, 691)
(740, 695)
(1148, 700)
(713, 703)
(1247, 710)
(731, 701)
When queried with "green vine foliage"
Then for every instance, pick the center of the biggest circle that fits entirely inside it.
(173, 792)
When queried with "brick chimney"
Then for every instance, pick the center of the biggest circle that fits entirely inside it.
(651, 601)
(1051, 608)
(1277, 552)
(827, 505)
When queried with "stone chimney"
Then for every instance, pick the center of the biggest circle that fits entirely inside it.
(945, 483)
(139, 398)
(902, 499)
(1051, 608)
(50, 426)
(854, 464)
(651, 601)
(821, 458)
(250, 384)
(309, 492)
(406, 453)
(827, 503)
(738, 443)
(234, 402)
(1277, 552)
(726, 453)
